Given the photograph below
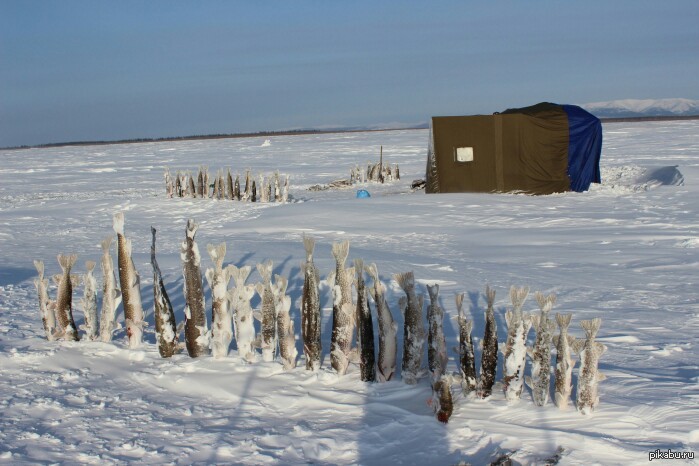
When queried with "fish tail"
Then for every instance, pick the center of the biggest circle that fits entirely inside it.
(359, 267)
(240, 275)
(545, 302)
(217, 253)
(468, 325)
(90, 266)
(118, 223)
(518, 296)
(67, 261)
(107, 243)
(341, 251)
(191, 228)
(405, 280)
(280, 283)
(39, 268)
(563, 320)
(489, 295)
(433, 291)
(265, 270)
(309, 244)
(591, 327)
(372, 271)
(460, 303)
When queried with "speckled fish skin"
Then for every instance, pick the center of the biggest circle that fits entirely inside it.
(436, 343)
(343, 310)
(489, 357)
(467, 359)
(563, 375)
(89, 302)
(48, 317)
(64, 297)
(388, 330)
(165, 325)
(111, 296)
(196, 333)
(310, 309)
(240, 297)
(518, 325)
(413, 331)
(285, 325)
(589, 376)
(130, 285)
(218, 278)
(540, 380)
(268, 330)
(365, 328)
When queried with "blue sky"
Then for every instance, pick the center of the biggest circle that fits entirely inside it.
(103, 70)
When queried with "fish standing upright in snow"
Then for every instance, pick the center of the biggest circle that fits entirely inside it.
(540, 380)
(413, 331)
(436, 343)
(467, 357)
(48, 317)
(388, 330)
(365, 328)
(343, 310)
(268, 317)
(518, 325)
(310, 308)
(130, 285)
(165, 325)
(229, 186)
(285, 325)
(240, 297)
(196, 333)
(111, 296)
(589, 376)
(64, 298)
(489, 357)
(563, 378)
(442, 401)
(221, 316)
(89, 302)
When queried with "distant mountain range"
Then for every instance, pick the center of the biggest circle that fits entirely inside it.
(629, 108)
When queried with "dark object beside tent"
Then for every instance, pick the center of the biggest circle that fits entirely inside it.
(542, 149)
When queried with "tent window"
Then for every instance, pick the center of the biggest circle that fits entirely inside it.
(463, 154)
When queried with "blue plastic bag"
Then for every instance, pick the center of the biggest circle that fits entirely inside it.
(363, 193)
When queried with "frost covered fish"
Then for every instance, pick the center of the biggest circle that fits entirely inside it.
(130, 285)
(89, 302)
(285, 326)
(518, 325)
(467, 358)
(414, 329)
(365, 328)
(388, 330)
(310, 308)
(343, 309)
(165, 325)
(268, 313)
(489, 357)
(196, 333)
(221, 316)
(436, 343)
(240, 297)
(111, 296)
(48, 317)
(64, 298)
(589, 376)
(442, 401)
(540, 380)
(563, 377)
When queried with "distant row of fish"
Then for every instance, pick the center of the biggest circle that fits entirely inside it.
(379, 172)
(222, 185)
(232, 317)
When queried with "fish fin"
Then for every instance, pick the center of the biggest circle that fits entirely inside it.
(106, 243)
(90, 265)
(601, 377)
(468, 326)
(330, 279)
(600, 348)
(563, 320)
(265, 270)
(591, 327)
(527, 323)
(260, 288)
(75, 280)
(555, 340)
(433, 292)
(571, 340)
(249, 292)
(358, 267)
(509, 317)
(39, 267)
(192, 228)
(372, 271)
(460, 303)
(280, 283)
(128, 247)
(349, 271)
(529, 382)
(209, 274)
(118, 223)
(578, 345)
(489, 295)
(405, 280)
(530, 352)
(309, 245)
(217, 253)
(67, 261)
(340, 251)
(56, 279)
(257, 315)
(518, 296)
(535, 320)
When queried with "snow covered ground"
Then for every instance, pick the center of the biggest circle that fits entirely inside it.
(626, 251)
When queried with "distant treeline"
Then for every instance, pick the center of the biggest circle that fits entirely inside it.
(650, 118)
(210, 136)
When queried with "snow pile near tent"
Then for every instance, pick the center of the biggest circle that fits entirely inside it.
(620, 251)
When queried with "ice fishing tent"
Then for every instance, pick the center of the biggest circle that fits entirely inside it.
(542, 149)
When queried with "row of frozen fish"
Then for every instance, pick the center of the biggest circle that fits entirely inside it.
(232, 316)
(379, 172)
(222, 185)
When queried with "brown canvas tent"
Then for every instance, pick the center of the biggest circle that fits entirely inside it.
(543, 149)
